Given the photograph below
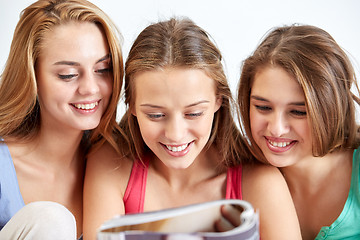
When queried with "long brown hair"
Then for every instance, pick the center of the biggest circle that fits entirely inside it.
(181, 43)
(324, 72)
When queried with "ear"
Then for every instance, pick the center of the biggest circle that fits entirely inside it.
(218, 103)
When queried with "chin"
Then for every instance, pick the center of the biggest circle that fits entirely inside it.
(179, 166)
(90, 125)
(280, 163)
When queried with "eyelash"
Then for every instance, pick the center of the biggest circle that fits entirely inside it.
(294, 112)
(104, 70)
(155, 116)
(67, 77)
(298, 113)
(194, 115)
(70, 76)
(189, 115)
(262, 108)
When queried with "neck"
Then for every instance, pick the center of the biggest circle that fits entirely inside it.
(64, 145)
(310, 173)
(52, 147)
(206, 166)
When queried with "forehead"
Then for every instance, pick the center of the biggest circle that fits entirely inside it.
(74, 40)
(177, 84)
(275, 82)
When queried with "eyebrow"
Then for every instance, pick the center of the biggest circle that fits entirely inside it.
(71, 63)
(106, 57)
(190, 105)
(265, 100)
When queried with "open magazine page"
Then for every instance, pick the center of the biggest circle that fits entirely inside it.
(188, 222)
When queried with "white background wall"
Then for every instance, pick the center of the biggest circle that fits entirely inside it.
(236, 25)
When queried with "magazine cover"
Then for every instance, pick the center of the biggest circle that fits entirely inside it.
(189, 222)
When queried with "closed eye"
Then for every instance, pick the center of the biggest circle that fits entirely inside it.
(104, 70)
(298, 113)
(194, 115)
(155, 116)
(263, 108)
(67, 76)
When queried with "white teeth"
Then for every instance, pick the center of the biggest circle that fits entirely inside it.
(279, 144)
(88, 106)
(176, 149)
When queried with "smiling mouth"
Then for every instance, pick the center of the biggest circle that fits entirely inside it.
(87, 106)
(278, 144)
(177, 148)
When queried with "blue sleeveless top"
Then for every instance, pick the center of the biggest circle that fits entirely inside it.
(11, 200)
(347, 225)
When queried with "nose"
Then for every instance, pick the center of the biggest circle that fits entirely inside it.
(278, 124)
(88, 84)
(175, 129)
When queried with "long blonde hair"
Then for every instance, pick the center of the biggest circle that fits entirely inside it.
(19, 109)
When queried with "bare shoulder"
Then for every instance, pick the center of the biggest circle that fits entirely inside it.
(106, 178)
(261, 174)
(108, 164)
(265, 188)
(263, 180)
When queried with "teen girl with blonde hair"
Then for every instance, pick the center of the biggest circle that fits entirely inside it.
(58, 96)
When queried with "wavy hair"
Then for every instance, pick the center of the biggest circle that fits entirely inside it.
(19, 109)
(181, 43)
(325, 74)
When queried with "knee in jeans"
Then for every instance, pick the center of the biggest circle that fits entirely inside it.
(49, 212)
(41, 220)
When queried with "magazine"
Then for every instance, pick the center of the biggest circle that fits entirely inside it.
(191, 222)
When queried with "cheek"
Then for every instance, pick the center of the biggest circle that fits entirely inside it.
(203, 127)
(149, 131)
(43, 89)
(256, 121)
(303, 130)
(107, 88)
(54, 94)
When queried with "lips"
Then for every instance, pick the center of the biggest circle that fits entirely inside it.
(279, 145)
(177, 150)
(88, 106)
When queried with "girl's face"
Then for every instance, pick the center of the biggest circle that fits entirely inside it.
(74, 76)
(175, 109)
(278, 119)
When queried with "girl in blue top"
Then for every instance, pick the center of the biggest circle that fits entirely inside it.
(299, 114)
(62, 78)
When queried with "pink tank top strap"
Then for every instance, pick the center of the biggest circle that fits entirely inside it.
(135, 191)
(233, 183)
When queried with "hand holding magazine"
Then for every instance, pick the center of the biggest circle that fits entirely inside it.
(190, 222)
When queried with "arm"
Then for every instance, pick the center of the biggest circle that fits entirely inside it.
(105, 182)
(265, 188)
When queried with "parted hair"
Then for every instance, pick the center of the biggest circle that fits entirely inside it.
(180, 43)
(19, 108)
(325, 74)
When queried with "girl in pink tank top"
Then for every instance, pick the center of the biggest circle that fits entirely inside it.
(179, 143)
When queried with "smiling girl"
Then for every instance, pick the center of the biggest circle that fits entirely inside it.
(62, 78)
(299, 113)
(183, 145)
